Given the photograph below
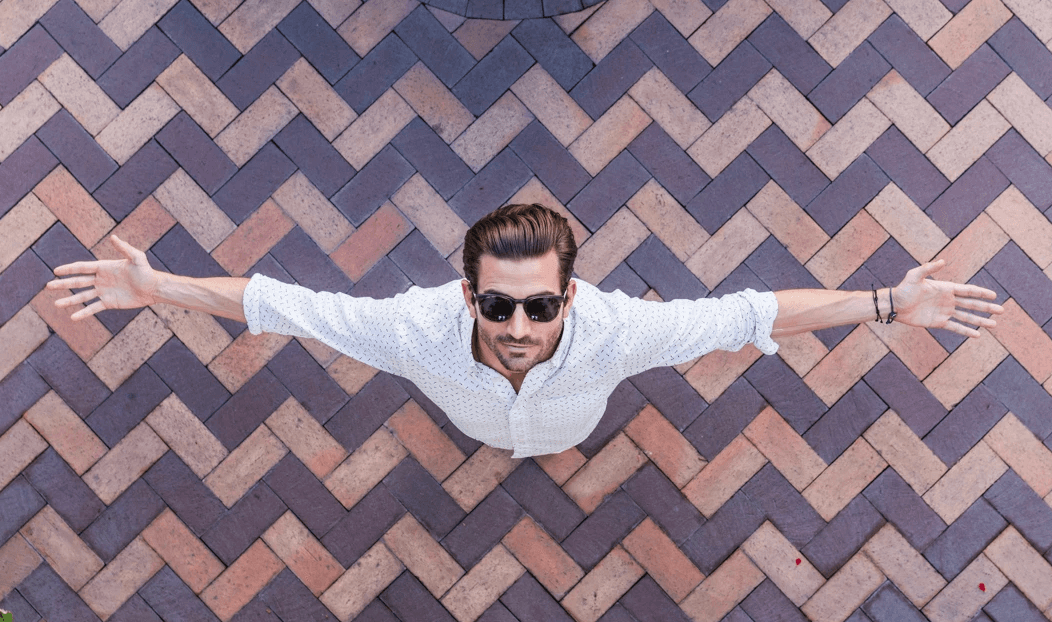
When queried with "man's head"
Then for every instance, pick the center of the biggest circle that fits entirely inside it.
(519, 251)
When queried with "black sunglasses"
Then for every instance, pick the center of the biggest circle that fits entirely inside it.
(500, 308)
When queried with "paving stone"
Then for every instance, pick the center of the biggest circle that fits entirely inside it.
(767, 602)
(491, 187)
(188, 378)
(1023, 508)
(383, 280)
(483, 85)
(127, 406)
(186, 495)
(1023, 280)
(78, 387)
(793, 399)
(670, 394)
(788, 166)
(543, 500)
(1010, 604)
(849, 82)
(418, 260)
(656, 265)
(373, 185)
(561, 58)
(410, 600)
(527, 600)
(671, 166)
(725, 418)
(135, 180)
(307, 381)
(123, 520)
(848, 194)
(902, 507)
(622, 278)
(21, 503)
(50, 595)
(66, 493)
(729, 81)
(232, 533)
(77, 150)
(431, 156)
(1027, 171)
(24, 61)
(723, 533)
(608, 191)
(58, 246)
(195, 152)
(442, 53)
(610, 79)
(845, 421)
(318, 160)
(22, 170)
(952, 551)
(15, 604)
(245, 410)
(660, 499)
(181, 254)
(789, 53)
(888, 603)
(909, 55)
(366, 411)
(967, 196)
(843, 536)
(318, 42)
(80, 37)
(969, 421)
(483, 528)
(254, 183)
(907, 167)
(287, 597)
(727, 193)
(202, 43)
(670, 52)
(649, 603)
(20, 282)
(784, 506)
(172, 600)
(1025, 54)
(307, 497)
(550, 162)
(363, 525)
(376, 72)
(267, 61)
(968, 84)
(590, 542)
(1022, 395)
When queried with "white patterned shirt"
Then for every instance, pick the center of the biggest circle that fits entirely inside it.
(425, 335)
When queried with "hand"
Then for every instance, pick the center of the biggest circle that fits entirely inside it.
(928, 303)
(127, 283)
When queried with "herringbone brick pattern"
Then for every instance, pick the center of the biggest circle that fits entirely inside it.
(165, 465)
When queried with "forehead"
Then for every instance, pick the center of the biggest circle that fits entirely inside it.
(519, 277)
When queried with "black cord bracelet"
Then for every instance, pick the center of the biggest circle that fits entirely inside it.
(875, 305)
(891, 316)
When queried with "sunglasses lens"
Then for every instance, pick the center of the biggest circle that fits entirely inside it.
(543, 309)
(496, 308)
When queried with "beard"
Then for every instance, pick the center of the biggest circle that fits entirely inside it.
(519, 362)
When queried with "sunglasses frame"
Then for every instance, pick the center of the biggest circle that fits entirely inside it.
(515, 301)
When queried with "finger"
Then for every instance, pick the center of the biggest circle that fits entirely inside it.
(974, 291)
(71, 283)
(927, 269)
(88, 311)
(84, 296)
(80, 267)
(961, 329)
(979, 305)
(126, 249)
(971, 318)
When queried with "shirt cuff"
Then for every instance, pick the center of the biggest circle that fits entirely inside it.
(250, 302)
(765, 310)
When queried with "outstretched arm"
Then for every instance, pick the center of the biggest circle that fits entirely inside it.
(130, 283)
(919, 301)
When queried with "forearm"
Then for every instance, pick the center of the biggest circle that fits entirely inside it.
(222, 296)
(804, 310)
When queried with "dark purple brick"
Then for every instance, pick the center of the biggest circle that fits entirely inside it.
(968, 422)
(20, 503)
(64, 491)
(123, 520)
(24, 61)
(724, 532)
(77, 150)
(528, 600)
(611, 78)
(169, 597)
(435, 46)
(550, 161)
(849, 82)
(834, 5)
(970, 194)
(554, 51)
(617, 613)
(888, 604)
(739, 279)
(1011, 606)
(952, 551)
(668, 163)
(907, 167)
(768, 603)
(181, 370)
(727, 193)
(671, 395)
(886, 267)
(543, 500)
(307, 381)
(425, 498)
(431, 156)
(243, 523)
(1023, 508)
(184, 493)
(312, 153)
(784, 506)
(318, 42)
(129, 405)
(1023, 280)
(199, 40)
(849, 193)
(377, 71)
(134, 609)
(483, 528)
(778, 269)
(383, 280)
(68, 376)
(255, 611)
(602, 529)
(862, 279)
(724, 419)
(201, 158)
(670, 52)
(656, 265)
(289, 599)
(366, 411)
(481, 9)
(909, 55)
(843, 536)
(250, 406)
(664, 503)
(376, 611)
(259, 178)
(793, 57)
(1022, 395)
(58, 246)
(714, 5)
(525, 9)
(305, 495)
(860, 616)
(376, 182)
(80, 37)
(968, 84)
(14, 603)
(904, 394)
(19, 390)
(621, 407)
(135, 180)
(729, 81)
(954, 5)
(608, 191)
(138, 66)
(22, 170)
(418, 259)
(492, 76)
(360, 528)
(845, 421)
(52, 598)
(428, 406)
(622, 278)
(784, 390)
(20, 282)
(1027, 170)
(268, 266)
(181, 254)
(491, 187)
(1026, 55)
(787, 165)
(649, 603)
(410, 600)
(904, 508)
(258, 69)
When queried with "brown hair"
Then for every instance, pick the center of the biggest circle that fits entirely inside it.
(520, 231)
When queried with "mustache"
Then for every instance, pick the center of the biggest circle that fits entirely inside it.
(515, 342)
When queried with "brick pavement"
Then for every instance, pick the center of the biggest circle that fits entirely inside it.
(165, 465)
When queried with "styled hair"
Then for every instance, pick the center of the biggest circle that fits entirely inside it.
(520, 231)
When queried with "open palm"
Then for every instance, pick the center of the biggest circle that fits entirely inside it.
(928, 303)
(117, 283)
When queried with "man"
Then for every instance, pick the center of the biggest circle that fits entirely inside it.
(519, 355)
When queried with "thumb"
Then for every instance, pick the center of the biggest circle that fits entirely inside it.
(125, 249)
(925, 270)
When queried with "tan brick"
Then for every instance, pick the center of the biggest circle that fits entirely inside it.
(184, 553)
(137, 123)
(425, 440)
(849, 138)
(665, 446)
(368, 134)
(1027, 113)
(552, 106)
(905, 452)
(801, 351)
(24, 116)
(907, 223)
(18, 560)
(917, 350)
(793, 227)
(72, 204)
(21, 227)
(294, 544)
(804, 16)
(312, 94)
(663, 560)
(607, 470)
(614, 20)
(186, 435)
(64, 430)
(61, 547)
(313, 212)
(609, 135)
(141, 228)
(240, 470)
(724, 475)
(570, 21)
(965, 368)
(543, 557)
(373, 20)
(365, 468)
(1022, 451)
(125, 463)
(962, 598)
(85, 337)
(717, 370)
(908, 110)
(965, 482)
(603, 586)
(1023, 566)
(335, 11)
(20, 335)
(306, 438)
(483, 584)
(846, 364)
(562, 465)
(1023, 223)
(1027, 342)
(362, 582)
(1036, 14)
(350, 374)
(727, 586)
(374, 239)
(245, 356)
(479, 36)
(321, 352)
(924, 17)
(241, 581)
(19, 445)
(129, 349)
(479, 475)
(254, 127)
(253, 20)
(535, 192)
(728, 137)
(198, 331)
(131, 18)
(79, 94)
(969, 29)
(777, 558)
(431, 214)
(435, 104)
(424, 557)
(906, 568)
(789, 110)
(121, 578)
(18, 16)
(669, 107)
(491, 132)
(848, 28)
(971, 249)
(610, 245)
(845, 478)
(194, 210)
(684, 15)
(253, 238)
(968, 140)
(214, 10)
(667, 219)
(787, 450)
(844, 591)
(728, 27)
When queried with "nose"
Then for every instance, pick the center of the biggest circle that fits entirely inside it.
(519, 324)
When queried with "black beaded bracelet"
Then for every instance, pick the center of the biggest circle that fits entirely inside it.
(875, 305)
